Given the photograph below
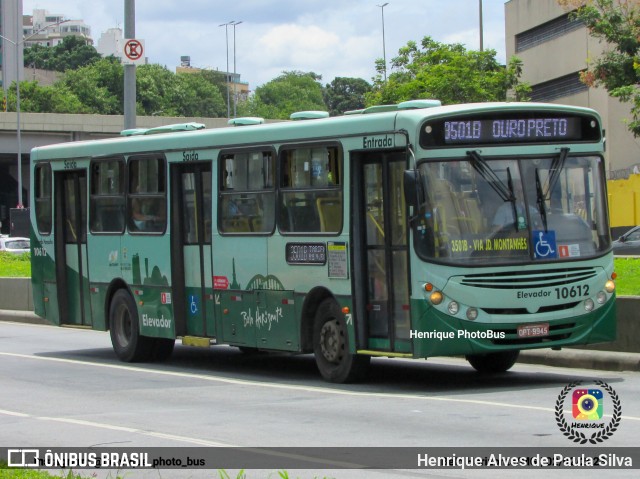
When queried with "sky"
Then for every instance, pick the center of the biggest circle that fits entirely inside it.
(333, 38)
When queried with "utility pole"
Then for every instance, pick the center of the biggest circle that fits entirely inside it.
(481, 29)
(384, 48)
(235, 84)
(129, 70)
(226, 74)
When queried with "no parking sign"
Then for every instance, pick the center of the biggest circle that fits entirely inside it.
(132, 52)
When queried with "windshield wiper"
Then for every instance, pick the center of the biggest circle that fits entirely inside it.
(544, 194)
(541, 200)
(557, 165)
(505, 192)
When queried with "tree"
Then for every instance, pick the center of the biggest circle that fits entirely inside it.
(37, 98)
(344, 94)
(449, 73)
(290, 92)
(616, 22)
(72, 53)
(99, 86)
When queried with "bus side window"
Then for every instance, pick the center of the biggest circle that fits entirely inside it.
(247, 196)
(43, 198)
(107, 200)
(311, 190)
(147, 206)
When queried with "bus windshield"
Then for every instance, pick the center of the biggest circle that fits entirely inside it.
(505, 210)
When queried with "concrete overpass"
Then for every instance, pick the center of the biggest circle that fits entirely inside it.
(38, 129)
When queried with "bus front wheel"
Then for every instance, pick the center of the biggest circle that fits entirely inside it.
(127, 342)
(493, 362)
(331, 346)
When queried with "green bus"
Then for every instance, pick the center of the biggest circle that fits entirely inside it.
(412, 230)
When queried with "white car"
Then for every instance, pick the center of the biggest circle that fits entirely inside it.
(14, 245)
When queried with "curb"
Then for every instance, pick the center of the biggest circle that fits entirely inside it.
(21, 317)
(582, 359)
(566, 358)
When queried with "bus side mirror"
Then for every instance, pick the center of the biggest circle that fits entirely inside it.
(412, 188)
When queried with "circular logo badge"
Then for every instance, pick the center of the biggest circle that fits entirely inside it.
(587, 412)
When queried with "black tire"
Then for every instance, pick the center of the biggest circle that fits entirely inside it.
(124, 328)
(493, 362)
(331, 347)
(162, 349)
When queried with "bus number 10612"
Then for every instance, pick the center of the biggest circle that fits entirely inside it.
(572, 292)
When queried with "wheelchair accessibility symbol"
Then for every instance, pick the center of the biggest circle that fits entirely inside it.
(545, 244)
(194, 304)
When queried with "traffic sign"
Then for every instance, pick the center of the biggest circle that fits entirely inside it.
(132, 52)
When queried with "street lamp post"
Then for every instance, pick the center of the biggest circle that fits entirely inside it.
(235, 85)
(18, 130)
(384, 49)
(481, 27)
(226, 33)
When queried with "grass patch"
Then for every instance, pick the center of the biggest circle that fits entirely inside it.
(15, 265)
(628, 280)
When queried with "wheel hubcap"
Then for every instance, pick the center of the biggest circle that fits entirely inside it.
(332, 341)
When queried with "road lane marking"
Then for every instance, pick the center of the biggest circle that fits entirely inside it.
(186, 439)
(315, 389)
(112, 427)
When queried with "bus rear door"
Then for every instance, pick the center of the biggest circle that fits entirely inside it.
(381, 281)
(72, 269)
(191, 243)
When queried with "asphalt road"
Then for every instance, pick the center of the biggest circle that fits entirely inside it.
(65, 388)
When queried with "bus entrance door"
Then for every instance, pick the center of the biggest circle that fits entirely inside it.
(191, 240)
(72, 272)
(381, 282)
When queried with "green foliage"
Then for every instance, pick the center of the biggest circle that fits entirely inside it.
(15, 265)
(72, 53)
(290, 92)
(616, 22)
(98, 88)
(344, 94)
(447, 72)
(628, 280)
(37, 98)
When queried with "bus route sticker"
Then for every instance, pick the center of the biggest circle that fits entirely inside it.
(337, 258)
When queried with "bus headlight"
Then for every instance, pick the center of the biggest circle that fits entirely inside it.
(453, 308)
(601, 297)
(472, 314)
(588, 305)
(609, 286)
(436, 297)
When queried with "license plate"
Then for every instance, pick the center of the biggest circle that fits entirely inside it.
(533, 330)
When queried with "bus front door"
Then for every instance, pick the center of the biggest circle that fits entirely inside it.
(72, 269)
(381, 268)
(191, 246)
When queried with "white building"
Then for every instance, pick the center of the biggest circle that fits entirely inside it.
(47, 29)
(109, 42)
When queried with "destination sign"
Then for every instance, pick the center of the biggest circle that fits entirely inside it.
(534, 127)
(306, 253)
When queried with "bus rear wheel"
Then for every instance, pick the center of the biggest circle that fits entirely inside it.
(493, 362)
(331, 346)
(124, 328)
